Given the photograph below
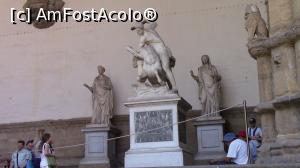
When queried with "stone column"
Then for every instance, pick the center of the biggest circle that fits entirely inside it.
(296, 13)
(265, 108)
(283, 35)
(264, 68)
(282, 129)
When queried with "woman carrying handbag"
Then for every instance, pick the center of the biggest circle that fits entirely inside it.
(48, 159)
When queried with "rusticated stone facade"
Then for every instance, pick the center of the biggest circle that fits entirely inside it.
(278, 71)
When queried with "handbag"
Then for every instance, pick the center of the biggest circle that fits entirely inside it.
(51, 161)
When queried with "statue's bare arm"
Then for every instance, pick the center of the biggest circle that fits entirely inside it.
(134, 52)
(196, 78)
(89, 87)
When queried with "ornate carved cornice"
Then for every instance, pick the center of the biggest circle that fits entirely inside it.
(258, 51)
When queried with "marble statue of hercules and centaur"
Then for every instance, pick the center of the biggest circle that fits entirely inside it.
(153, 58)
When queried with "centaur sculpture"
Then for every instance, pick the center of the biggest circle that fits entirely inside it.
(153, 59)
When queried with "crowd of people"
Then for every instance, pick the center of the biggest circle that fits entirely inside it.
(34, 153)
(240, 150)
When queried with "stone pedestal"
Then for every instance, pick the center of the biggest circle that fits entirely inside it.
(98, 151)
(209, 138)
(164, 145)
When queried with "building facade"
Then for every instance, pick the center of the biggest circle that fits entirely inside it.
(43, 70)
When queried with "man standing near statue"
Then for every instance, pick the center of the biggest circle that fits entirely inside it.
(255, 138)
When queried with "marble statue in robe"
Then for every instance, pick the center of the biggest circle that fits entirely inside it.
(102, 97)
(209, 82)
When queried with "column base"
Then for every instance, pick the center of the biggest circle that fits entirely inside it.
(285, 146)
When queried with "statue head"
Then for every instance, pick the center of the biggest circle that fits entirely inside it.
(205, 59)
(139, 27)
(101, 69)
(251, 9)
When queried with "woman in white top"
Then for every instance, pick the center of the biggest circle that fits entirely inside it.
(47, 150)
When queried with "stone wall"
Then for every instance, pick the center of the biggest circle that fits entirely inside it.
(68, 132)
(42, 71)
(64, 132)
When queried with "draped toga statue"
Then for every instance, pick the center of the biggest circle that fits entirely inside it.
(153, 58)
(209, 82)
(102, 97)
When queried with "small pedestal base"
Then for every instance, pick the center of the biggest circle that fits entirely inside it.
(97, 149)
(209, 138)
(164, 144)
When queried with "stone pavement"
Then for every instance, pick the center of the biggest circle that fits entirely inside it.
(245, 166)
(235, 166)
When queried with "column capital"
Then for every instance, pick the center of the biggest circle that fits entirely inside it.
(256, 50)
(286, 35)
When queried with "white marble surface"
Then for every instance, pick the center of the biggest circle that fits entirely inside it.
(96, 147)
(153, 154)
(209, 139)
(154, 157)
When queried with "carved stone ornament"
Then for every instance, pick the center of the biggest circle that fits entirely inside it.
(255, 24)
(35, 7)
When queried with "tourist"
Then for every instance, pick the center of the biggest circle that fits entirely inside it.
(255, 138)
(237, 151)
(37, 151)
(47, 157)
(242, 135)
(29, 147)
(20, 156)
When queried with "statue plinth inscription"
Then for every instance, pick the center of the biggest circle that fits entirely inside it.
(155, 133)
(153, 126)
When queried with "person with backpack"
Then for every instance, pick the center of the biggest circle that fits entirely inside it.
(255, 138)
